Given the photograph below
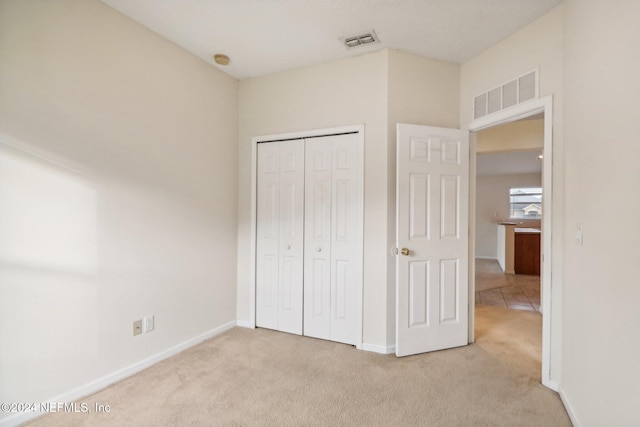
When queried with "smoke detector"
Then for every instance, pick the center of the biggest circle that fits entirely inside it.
(361, 39)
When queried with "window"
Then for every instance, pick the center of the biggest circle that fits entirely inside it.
(525, 202)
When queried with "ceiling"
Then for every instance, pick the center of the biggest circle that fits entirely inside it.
(267, 36)
(508, 162)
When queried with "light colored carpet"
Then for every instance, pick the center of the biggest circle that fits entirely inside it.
(489, 275)
(263, 378)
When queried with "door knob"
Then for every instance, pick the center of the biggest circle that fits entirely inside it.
(404, 251)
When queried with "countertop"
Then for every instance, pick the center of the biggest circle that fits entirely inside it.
(527, 230)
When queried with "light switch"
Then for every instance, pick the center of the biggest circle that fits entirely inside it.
(148, 324)
(579, 234)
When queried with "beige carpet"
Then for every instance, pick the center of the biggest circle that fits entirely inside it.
(489, 275)
(263, 378)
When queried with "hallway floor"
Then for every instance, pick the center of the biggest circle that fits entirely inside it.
(515, 291)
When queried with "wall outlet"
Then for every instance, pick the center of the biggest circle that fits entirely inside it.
(137, 327)
(148, 324)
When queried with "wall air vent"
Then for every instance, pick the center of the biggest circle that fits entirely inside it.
(507, 95)
(360, 40)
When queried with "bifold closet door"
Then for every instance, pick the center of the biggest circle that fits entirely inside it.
(333, 238)
(279, 236)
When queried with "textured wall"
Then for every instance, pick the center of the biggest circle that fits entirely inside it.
(117, 195)
(600, 371)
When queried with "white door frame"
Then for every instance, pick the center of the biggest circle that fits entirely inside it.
(526, 109)
(254, 163)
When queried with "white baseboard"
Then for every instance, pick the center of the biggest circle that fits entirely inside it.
(568, 408)
(244, 324)
(382, 349)
(107, 380)
(553, 385)
(486, 257)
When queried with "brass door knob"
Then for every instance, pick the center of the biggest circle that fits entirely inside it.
(404, 251)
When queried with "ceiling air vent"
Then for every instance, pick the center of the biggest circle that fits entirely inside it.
(361, 39)
(507, 95)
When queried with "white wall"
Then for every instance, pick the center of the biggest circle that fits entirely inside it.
(346, 92)
(492, 205)
(118, 185)
(538, 45)
(519, 135)
(601, 373)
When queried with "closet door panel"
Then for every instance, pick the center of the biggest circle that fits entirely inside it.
(280, 236)
(317, 258)
(346, 238)
(291, 236)
(267, 236)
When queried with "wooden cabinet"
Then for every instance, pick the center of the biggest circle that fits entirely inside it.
(527, 252)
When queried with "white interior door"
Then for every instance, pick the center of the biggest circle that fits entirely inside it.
(333, 238)
(432, 239)
(279, 236)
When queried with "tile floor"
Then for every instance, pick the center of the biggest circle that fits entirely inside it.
(515, 291)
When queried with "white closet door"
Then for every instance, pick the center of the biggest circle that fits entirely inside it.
(317, 246)
(291, 236)
(346, 239)
(267, 235)
(333, 238)
(279, 245)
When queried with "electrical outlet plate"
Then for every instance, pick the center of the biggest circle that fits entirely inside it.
(137, 327)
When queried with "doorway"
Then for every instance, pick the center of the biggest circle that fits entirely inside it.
(508, 214)
(530, 108)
